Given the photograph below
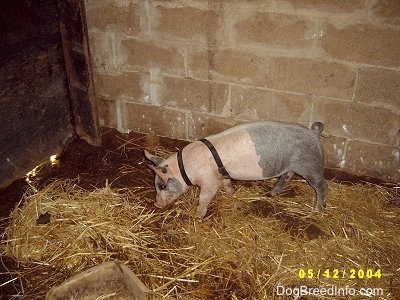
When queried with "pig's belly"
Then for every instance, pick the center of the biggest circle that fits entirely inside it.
(238, 154)
(245, 170)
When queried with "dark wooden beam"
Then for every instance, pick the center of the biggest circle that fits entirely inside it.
(76, 50)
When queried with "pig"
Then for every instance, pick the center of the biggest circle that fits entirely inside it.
(251, 151)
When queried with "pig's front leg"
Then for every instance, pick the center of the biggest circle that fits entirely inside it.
(206, 195)
(227, 186)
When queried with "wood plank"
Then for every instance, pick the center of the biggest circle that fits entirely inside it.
(77, 62)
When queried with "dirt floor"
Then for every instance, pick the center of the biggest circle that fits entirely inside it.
(94, 166)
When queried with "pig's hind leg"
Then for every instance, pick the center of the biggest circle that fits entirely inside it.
(318, 183)
(283, 179)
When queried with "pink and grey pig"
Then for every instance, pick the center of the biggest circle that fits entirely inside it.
(252, 151)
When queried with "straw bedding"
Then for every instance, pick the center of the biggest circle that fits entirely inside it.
(248, 244)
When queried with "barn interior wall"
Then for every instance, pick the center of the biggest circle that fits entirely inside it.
(189, 68)
(34, 106)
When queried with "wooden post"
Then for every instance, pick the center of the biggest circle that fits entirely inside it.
(76, 50)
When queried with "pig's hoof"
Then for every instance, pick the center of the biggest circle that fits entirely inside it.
(320, 207)
(273, 193)
(200, 213)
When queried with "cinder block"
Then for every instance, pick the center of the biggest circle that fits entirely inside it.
(120, 85)
(125, 16)
(227, 65)
(311, 76)
(196, 95)
(387, 11)
(188, 23)
(201, 125)
(359, 121)
(155, 119)
(334, 153)
(282, 31)
(336, 6)
(107, 111)
(364, 43)
(379, 87)
(373, 159)
(105, 49)
(255, 104)
(143, 55)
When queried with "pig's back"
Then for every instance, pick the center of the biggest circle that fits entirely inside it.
(266, 149)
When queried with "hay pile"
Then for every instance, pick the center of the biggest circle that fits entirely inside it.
(247, 246)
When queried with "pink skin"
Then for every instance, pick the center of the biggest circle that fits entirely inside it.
(201, 168)
(160, 203)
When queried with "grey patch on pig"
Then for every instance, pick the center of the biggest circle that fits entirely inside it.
(173, 189)
(156, 160)
(285, 147)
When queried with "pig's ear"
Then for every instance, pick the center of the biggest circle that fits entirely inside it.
(162, 172)
(156, 160)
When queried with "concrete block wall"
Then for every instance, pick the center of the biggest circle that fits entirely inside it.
(190, 68)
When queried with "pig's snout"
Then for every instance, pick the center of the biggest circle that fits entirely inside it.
(160, 203)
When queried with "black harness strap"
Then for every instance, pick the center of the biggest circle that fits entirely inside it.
(217, 159)
(182, 169)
